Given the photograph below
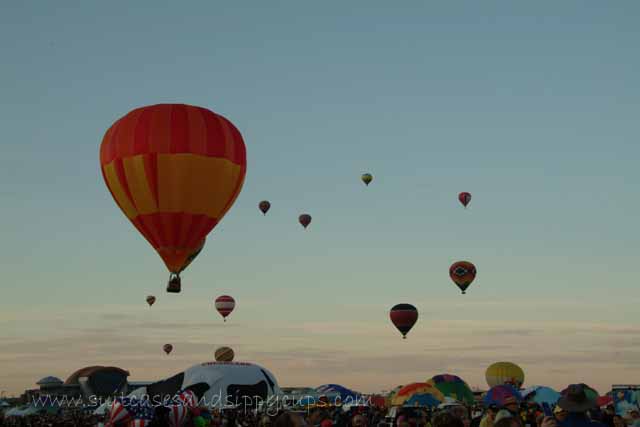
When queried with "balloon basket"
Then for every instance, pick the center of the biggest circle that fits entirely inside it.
(174, 285)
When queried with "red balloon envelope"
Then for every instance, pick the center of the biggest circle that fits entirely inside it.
(462, 273)
(464, 198)
(225, 305)
(403, 317)
(305, 220)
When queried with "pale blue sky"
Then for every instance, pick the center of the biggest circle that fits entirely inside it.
(532, 107)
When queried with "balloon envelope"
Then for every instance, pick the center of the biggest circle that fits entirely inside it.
(264, 206)
(464, 198)
(462, 273)
(454, 387)
(498, 394)
(305, 220)
(151, 300)
(367, 178)
(504, 373)
(403, 317)
(174, 170)
(224, 354)
(167, 348)
(540, 395)
(225, 305)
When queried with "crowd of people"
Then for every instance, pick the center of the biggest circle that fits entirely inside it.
(573, 410)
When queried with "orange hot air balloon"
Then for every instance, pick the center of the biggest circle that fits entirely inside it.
(150, 300)
(167, 348)
(175, 171)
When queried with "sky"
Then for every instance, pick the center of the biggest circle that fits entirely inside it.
(531, 106)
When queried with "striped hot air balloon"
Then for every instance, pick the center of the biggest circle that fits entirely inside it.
(224, 354)
(174, 170)
(225, 305)
(403, 317)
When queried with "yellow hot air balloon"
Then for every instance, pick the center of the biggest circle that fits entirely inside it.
(366, 178)
(504, 373)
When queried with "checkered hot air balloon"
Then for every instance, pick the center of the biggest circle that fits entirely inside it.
(225, 305)
(174, 170)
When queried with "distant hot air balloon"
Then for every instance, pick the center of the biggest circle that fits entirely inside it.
(224, 354)
(174, 170)
(150, 300)
(264, 206)
(462, 273)
(464, 198)
(167, 348)
(403, 317)
(225, 305)
(501, 373)
(367, 178)
(305, 220)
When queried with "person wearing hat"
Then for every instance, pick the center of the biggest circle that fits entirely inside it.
(511, 405)
(576, 402)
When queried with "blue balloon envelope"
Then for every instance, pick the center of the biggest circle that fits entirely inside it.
(425, 400)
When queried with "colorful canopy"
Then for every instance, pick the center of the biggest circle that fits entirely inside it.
(498, 394)
(540, 395)
(417, 389)
(344, 394)
(454, 387)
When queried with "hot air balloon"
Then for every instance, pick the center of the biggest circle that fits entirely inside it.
(453, 386)
(501, 373)
(367, 178)
(305, 220)
(499, 394)
(174, 170)
(224, 354)
(150, 300)
(462, 273)
(403, 317)
(167, 348)
(418, 394)
(225, 305)
(264, 206)
(464, 198)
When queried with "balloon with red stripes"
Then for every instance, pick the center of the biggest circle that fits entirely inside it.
(225, 305)
(118, 414)
(403, 317)
(177, 415)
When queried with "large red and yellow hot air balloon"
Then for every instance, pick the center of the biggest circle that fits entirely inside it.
(174, 170)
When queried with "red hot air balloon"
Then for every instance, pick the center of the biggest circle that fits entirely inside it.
(305, 220)
(167, 348)
(462, 273)
(264, 206)
(150, 300)
(403, 317)
(174, 170)
(464, 198)
(225, 305)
